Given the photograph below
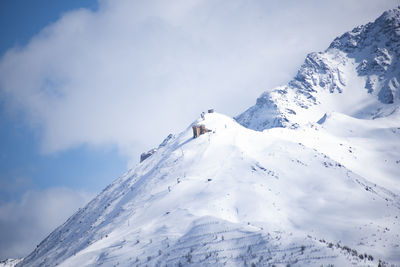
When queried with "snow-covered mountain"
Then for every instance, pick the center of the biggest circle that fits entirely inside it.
(317, 184)
(234, 196)
(358, 75)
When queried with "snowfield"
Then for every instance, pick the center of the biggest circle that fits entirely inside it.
(308, 176)
(236, 196)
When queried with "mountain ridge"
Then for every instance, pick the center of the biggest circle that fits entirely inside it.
(370, 52)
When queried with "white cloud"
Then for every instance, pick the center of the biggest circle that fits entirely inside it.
(134, 71)
(25, 223)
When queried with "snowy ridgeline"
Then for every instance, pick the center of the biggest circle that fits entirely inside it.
(358, 75)
(235, 196)
(319, 186)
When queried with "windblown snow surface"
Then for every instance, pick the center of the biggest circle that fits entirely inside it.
(309, 176)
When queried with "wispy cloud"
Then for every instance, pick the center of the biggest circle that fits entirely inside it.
(25, 223)
(133, 71)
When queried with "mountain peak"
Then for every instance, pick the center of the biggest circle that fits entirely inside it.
(358, 75)
(232, 196)
(390, 17)
(384, 31)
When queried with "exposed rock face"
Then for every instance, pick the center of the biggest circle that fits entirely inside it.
(366, 58)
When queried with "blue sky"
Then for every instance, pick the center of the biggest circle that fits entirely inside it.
(24, 169)
(20, 19)
(86, 86)
(22, 164)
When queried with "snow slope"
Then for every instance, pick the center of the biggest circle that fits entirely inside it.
(318, 183)
(232, 196)
(9, 262)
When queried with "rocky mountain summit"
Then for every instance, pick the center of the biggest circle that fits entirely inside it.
(357, 75)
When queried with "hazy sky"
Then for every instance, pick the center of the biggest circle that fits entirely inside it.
(85, 87)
